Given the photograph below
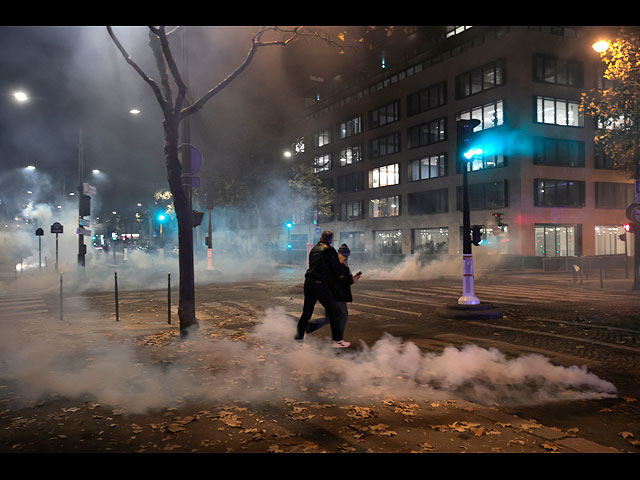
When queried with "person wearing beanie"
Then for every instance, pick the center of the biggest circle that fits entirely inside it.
(341, 289)
(324, 269)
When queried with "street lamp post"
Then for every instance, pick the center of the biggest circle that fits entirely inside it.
(464, 131)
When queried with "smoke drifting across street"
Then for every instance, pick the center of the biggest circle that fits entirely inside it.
(85, 359)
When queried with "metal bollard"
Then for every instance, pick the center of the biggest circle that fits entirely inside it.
(601, 285)
(115, 275)
(60, 297)
(169, 298)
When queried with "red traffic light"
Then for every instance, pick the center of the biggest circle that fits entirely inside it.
(627, 227)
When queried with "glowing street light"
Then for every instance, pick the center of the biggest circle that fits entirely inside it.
(30, 167)
(21, 96)
(134, 111)
(600, 46)
(287, 154)
(95, 170)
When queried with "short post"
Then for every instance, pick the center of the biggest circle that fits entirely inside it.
(601, 285)
(626, 258)
(169, 298)
(60, 297)
(115, 276)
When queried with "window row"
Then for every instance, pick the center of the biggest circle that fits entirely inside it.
(550, 240)
(489, 195)
(432, 166)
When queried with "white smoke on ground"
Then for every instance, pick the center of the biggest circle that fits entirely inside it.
(412, 268)
(91, 358)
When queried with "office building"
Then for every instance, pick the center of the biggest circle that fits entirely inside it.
(386, 144)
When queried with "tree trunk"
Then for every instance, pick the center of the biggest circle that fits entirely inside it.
(186, 305)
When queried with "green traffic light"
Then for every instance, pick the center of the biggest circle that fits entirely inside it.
(472, 152)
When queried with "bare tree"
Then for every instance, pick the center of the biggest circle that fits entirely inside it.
(176, 106)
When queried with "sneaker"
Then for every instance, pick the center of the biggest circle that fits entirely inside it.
(340, 344)
(299, 339)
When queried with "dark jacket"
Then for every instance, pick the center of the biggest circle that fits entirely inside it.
(341, 287)
(324, 265)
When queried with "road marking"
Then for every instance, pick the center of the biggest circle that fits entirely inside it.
(564, 337)
(390, 309)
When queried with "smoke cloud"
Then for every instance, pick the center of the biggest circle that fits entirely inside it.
(75, 361)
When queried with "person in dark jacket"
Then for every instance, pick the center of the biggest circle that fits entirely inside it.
(341, 289)
(324, 267)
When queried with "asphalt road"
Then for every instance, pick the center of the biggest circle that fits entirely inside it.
(412, 381)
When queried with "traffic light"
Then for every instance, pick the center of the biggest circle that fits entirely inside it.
(197, 218)
(467, 148)
(476, 235)
(289, 246)
(288, 224)
(161, 217)
(84, 209)
(628, 227)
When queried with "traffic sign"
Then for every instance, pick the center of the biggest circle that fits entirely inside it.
(83, 231)
(633, 212)
(56, 228)
(88, 189)
(195, 158)
(39, 232)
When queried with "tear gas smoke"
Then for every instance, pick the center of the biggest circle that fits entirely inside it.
(75, 361)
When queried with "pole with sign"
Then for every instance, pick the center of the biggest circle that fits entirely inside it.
(56, 228)
(39, 234)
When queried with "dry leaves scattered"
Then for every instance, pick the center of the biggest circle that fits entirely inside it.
(630, 437)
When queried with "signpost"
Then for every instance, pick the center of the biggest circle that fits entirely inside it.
(633, 214)
(56, 228)
(39, 234)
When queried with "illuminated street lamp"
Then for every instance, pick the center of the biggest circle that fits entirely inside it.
(600, 46)
(21, 96)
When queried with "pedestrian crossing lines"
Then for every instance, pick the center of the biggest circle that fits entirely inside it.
(506, 294)
(22, 305)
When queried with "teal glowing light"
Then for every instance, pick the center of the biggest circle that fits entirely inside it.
(472, 153)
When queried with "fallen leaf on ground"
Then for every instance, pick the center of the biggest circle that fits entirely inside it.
(550, 446)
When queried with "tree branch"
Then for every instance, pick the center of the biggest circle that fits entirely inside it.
(173, 68)
(154, 86)
(256, 43)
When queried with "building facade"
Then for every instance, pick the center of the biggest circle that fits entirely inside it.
(387, 146)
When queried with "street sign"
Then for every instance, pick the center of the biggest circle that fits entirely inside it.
(82, 231)
(195, 158)
(88, 189)
(39, 232)
(633, 212)
(56, 228)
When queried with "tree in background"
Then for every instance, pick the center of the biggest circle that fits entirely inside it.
(615, 107)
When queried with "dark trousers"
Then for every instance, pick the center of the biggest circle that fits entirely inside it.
(315, 291)
(344, 316)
